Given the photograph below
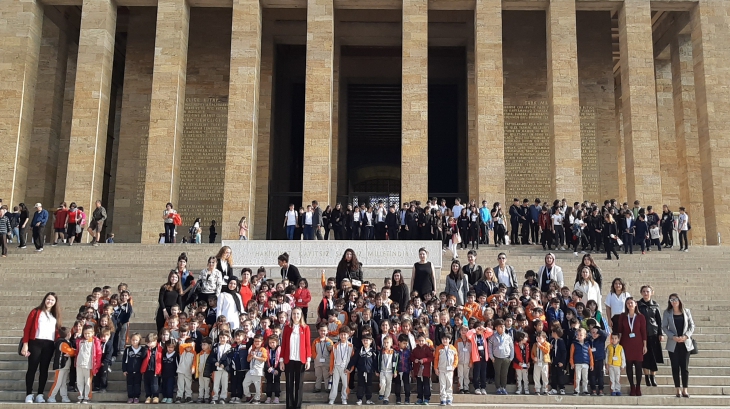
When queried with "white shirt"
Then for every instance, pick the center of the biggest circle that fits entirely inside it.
(503, 276)
(590, 292)
(683, 222)
(46, 327)
(294, 354)
(227, 307)
(308, 218)
(557, 219)
(617, 303)
(356, 216)
(291, 217)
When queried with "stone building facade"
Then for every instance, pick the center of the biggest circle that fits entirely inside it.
(231, 108)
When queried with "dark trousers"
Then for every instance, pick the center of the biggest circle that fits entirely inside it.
(290, 232)
(134, 385)
(608, 245)
(547, 239)
(101, 378)
(630, 365)
(559, 235)
(273, 384)
(534, 232)
(380, 231)
(168, 387)
(308, 232)
(480, 375)
(151, 384)
(595, 376)
(680, 364)
(667, 238)
(514, 235)
(4, 243)
(364, 383)
(393, 233)
(368, 233)
(485, 233)
(355, 231)
(464, 233)
(21, 236)
(628, 243)
(236, 388)
(405, 380)
(683, 237)
(556, 377)
(595, 240)
(294, 380)
(525, 231)
(423, 387)
(41, 355)
(318, 233)
(499, 234)
(169, 232)
(38, 237)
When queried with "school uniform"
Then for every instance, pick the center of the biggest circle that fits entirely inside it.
(88, 363)
(107, 352)
(365, 362)
(321, 355)
(239, 366)
(501, 348)
(402, 376)
(581, 357)
(185, 367)
(559, 355)
(521, 363)
(132, 364)
(464, 349)
(62, 362)
(616, 361)
(446, 359)
(168, 373)
(338, 363)
(541, 358)
(202, 375)
(387, 368)
(598, 348)
(422, 371)
(218, 364)
(273, 376)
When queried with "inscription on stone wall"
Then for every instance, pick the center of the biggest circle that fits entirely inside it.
(202, 161)
(589, 153)
(527, 150)
(141, 170)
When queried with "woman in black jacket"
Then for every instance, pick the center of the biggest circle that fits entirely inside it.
(399, 290)
(609, 232)
(349, 267)
(667, 225)
(327, 221)
(170, 294)
(654, 335)
(338, 222)
(463, 224)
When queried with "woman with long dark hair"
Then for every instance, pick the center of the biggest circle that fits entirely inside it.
(170, 294)
(650, 310)
(609, 232)
(296, 354)
(632, 327)
(224, 262)
(615, 302)
(423, 276)
(210, 281)
(499, 229)
(588, 261)
(39, 335)
(167, 217)
(338, 222)
(22, 224)
(456, 283)
(327, 221)
(679, 326)
(349, 267)
(399, 290)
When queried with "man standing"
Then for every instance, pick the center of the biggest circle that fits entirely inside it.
(59, 224)
(391, 223)
(486, 217)
(525, 222)
(317, 220)
(379, 215)
(4, 230)
(515, 215)
(97, 223)
(534, 221)
(290, 222)
(40, 218)
(457, 207)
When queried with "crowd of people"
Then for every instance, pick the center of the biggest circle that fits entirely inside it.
(229, 332)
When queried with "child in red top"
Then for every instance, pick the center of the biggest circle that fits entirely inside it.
(302, 297)
(521, 361)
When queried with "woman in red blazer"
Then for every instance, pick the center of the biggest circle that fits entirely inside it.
(296, 354)
(632, 327)
(39, 334)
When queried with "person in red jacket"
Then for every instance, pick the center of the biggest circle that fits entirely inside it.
(88, 362)
(41, 329)
(302, 297)
(422, 356)
(295, 358)
(246, 286)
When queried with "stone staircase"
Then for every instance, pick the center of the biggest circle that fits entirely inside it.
(73, 271)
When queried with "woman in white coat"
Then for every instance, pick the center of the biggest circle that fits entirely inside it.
(591, 290)
(230, 304)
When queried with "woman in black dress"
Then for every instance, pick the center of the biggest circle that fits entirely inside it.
(463, 224)
(654, 335)
(349, 267)
(338, 222)
(399, 290)
(170, 294)
(423, 276)
(327, 221)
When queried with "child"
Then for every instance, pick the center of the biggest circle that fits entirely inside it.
(169, 370)
(342, 315)
(122, 315)
(381, 312)
(541, 358)
(501, 352)
(445, 360)
(239, 363)
(342, 352)
(581, 360)
(464, 346)
(321, 355)
(422, 356)
(302, 297)
(521, 362)
(132, 360)
(218, 365)
(364, 361)
(88, 362)
(531, 279)
(615, 363)
(554, 313)
(326, 304)
(257, 358)
(598, 347)
(333, 324)
(273, 376)
(62, 362)
(201, 360)
(185, 371)
(107, 353)
(480, 364)
(387, 368)
(403, 370)
(559, 357)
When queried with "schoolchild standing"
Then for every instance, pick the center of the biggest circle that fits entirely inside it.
(88, 362)
(151, 368)
(62, 361)
(365, 362)
(598, 347)
(387, 368)
(422, 356)
(464, 346)
(521, 362)
(501, 352)
(239, 364)
(541, 359)
(321, 354)
(403, 370)
(107, 353)
(273, 376)
(559, 355)
(257, 357)
(445, 360)
(203, 376)
(481, 341)
(342, 353)
(185, 371)
(132, 360)
(615, 363)
(219, 362)
(169, 370)
(581, 360)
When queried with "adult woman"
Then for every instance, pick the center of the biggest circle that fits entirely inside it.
(632, 327)
(169, 224)
(38, 337)
(462, 224)
(288, 271)
(474, 225)
(246, 289)
(73, 217)
(210, 281)
(650, 310)
(296, 354)
(349, 267)
(230, 304)
(23, 220)
(505, 273)
(456, 283)
(423, 275)
(588, 286)
(187, 279)
(224, 262)
(327, 221)
(195, 232)
(170, 294)
(338, 222)
(488, 284)
(243, 229)
(679, 326)
(499, 229)
(557, 218)
(615, 302)
(82, 224)
(471, 269)
(588, 261)
(399, 290)
(609, 232)
(437, 226)
(667, 224)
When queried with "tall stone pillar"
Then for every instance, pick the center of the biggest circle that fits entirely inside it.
(489, 100)
(564, 102)
(239, 188)
(685, 125)
(710, 21)
(317, 175)
(472, 150)
(66, 121)
(266, 82)
(667, 140)
(162, 176)
(643, 174)
(414, 115)
(20, 42)
(87, 148)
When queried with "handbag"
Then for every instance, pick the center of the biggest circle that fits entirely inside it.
(694, 350)
(78, 229)
(456, 238)
(20, 346)
(619, 242)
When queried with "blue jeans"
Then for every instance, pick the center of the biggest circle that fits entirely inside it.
(151, 384)
(290, 232)
(168, 387)
(480, 375)
(169, 232)
(15, 233)
(308, 232)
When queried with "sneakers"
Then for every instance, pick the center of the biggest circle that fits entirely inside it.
(380, 397)
(386, 402)
(67, 400)
(148, 400)
(575, 253)
(419, 402)
(359, 402)
(221, 401)
(562, 391)
(408, 401)
(85, 401)
(344, 402)
(178, 400)
(576, 393)
(448, 403)
(518, 392)
(369, 402)
(39, 399)
(443, 403)
(51, 400)
(213, 402)
(477, 391)
(268, 400)
(276, 401)
(484, 391)
(155, 400)
(600, 393)
(136, 400)
(425, 402)
(331, 402)
(188, 400)
(130, 401)
(553, 392)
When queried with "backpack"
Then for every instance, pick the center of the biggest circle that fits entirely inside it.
(191, 230)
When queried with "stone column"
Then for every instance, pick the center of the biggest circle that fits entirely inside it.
(239, 188)
(162, 177)
(266, 82)
(20, 42)
(643, 174)
(564, 102)
(489, 100)
(48, 113)
(667, 140)
(317, 178)
(65, 135)
(87, 148)
(472, 149)
(414, 115)
(710, 21)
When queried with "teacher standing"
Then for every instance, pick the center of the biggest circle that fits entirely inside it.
(349, 267)
(296, 354)
(38, 337)
(679, 326)
(170, 294)
(423, 276)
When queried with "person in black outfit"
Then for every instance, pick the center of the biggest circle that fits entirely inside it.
(609, 232)
(349, 267)
(412, 218)
(525, 222)
(288, 271)
(667, 227)
(391, 223)
(515, 215)
(399, 290)
(337, 218)
(170, 294)
(462, 223)
(327, 221)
